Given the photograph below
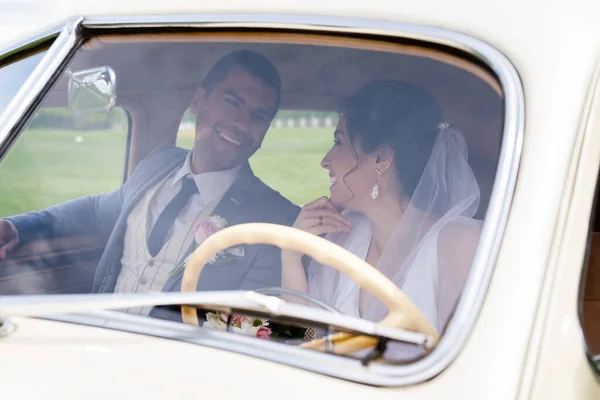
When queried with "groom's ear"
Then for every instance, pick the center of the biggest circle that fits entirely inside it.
(197, 100)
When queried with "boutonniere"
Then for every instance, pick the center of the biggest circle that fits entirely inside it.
(203, 229)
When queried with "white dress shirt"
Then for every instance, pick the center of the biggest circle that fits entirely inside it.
(210, 186)
(142, 272)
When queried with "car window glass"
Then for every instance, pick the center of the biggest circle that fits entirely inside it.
(14, 74)
(384, 149)
(307, 132)
(59, 157)
(589, 294)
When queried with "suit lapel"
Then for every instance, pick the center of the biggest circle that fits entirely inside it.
(160, 173)
(233, 200)
(236, 196)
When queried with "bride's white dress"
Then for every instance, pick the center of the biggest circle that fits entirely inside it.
(447, 196)
(420, 284)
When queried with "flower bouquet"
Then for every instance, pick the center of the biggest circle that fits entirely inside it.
(255, 327)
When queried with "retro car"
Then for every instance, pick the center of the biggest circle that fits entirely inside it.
(85, 102)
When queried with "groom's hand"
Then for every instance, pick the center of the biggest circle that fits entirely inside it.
(320, 217)
(9, 238)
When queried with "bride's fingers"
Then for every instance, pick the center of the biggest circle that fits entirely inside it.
(321, 202)
(310, 223)
(329, 205)
(322, 213)
(342, 226)
(322, 229)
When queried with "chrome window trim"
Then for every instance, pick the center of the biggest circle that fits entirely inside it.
(38, 83)
(493, 229)
(29, 43)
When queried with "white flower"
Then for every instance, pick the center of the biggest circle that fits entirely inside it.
(246, 328)
(236, 251)
(218, 222)
(249, 326)
(240, 324)
(215, 321)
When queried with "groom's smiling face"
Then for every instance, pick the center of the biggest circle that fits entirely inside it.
(231, 120)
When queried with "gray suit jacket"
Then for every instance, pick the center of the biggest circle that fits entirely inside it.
(247, 200)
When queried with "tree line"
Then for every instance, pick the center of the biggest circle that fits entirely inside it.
(62, 118)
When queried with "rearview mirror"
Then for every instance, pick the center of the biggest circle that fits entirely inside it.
(92, 91)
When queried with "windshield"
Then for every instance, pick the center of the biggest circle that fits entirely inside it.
(147, 146)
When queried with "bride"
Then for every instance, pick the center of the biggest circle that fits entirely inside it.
(408, 197)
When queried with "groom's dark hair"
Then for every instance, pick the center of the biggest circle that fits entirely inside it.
(255, 63)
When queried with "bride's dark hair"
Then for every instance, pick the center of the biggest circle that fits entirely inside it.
(398, 115)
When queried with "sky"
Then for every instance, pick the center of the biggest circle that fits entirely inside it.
(19, 16)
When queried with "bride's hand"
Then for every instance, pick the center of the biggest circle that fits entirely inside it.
(320, 217)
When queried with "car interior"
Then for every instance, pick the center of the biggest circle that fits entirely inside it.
(157, 75)
(589, 305)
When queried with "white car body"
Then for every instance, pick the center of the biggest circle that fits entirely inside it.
(526, 341)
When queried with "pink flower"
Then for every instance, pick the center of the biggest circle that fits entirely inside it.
(203, 229)
(235, 321)
(263, 333)
(207, 227)
(238, 319)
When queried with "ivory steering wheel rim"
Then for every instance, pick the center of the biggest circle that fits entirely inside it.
(402, 313)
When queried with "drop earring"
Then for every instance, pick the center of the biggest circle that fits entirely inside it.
(375, 190)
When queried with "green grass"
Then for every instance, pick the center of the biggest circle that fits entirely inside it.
(47, 167)
(290, 161)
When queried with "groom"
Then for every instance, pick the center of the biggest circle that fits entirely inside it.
(150, 220)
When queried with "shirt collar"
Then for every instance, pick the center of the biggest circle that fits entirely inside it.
(210, 184)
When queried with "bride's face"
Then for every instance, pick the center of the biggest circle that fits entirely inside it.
(351, 171)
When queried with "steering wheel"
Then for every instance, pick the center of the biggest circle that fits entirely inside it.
(402, 312)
